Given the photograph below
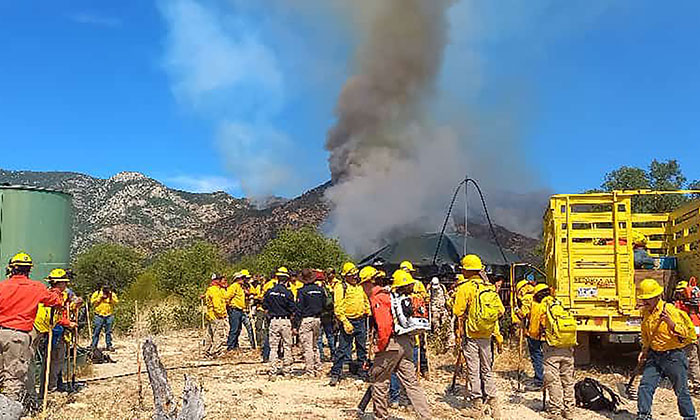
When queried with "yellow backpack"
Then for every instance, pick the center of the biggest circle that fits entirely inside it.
(485, 311)
(560, 328)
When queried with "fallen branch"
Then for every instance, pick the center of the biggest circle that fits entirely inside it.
(194, 366)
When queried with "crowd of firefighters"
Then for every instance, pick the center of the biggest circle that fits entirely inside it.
(362, 308)
(384, 319)
(39, 324)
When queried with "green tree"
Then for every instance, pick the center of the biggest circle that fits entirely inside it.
(666, 176)
(297, 249)
(626, 178)
(185, 272)
(695, 185)
(112, 264)
(660, 176)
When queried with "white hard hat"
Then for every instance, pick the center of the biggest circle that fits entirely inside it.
(435, 281)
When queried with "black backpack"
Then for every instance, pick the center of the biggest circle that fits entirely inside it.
(592, 395)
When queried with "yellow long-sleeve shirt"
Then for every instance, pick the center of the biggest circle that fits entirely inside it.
(466, 289)
(235, 296)
(256, 293)
(536, 313)
(524, 298)
(101, 305)
(658, 336)
(42, 321)
(294, 287)
(350, 302)
(420, 291)
(269, 285)
(215, 298)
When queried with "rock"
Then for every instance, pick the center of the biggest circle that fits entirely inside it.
(10, 409)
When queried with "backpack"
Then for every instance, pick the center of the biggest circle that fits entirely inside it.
(560, 328)
(328, 311)
(97, 357)
(409, 313)
(485, 311)
(591, 395)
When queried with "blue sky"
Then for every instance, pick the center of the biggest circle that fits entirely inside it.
(239, 94)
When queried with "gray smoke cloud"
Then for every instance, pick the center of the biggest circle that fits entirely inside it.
(392, 167)
(394, 161)
(398, 63)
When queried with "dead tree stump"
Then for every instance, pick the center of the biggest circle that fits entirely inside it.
(163, 399)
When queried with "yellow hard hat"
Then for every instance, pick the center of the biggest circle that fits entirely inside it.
(649, 289)
(540, 287)
(639, 238)
(57, 275)
(401, 278)
(407, 266)
(521, 284)
(349, 269)
(282, 272)
(368, 273)
(21, 259)
(472, 262)
(681, 285)
(244, 273)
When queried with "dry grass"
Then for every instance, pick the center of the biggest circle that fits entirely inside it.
(239, 391)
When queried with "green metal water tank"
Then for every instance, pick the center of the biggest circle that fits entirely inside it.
(39, 222)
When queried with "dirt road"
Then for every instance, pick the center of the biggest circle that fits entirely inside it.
(238, 390)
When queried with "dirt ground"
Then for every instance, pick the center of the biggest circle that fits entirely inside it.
(239, 389)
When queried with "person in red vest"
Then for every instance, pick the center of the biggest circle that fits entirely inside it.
(19, 301)
(687, 299)
(394, 351)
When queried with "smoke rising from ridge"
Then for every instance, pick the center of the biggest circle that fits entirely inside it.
(391, 165)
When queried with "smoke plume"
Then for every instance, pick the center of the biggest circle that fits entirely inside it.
(392, 167)
(398, 63)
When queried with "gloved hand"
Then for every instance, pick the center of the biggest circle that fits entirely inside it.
(347, 326)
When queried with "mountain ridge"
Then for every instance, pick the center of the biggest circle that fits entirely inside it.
(132, 209)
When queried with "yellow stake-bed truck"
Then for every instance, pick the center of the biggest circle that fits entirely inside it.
(589, 258)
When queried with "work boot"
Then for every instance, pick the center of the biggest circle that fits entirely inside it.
(495, 408)
(110, 348)
(475, 409)
(334, 381)
(533, 387)
(552, 415)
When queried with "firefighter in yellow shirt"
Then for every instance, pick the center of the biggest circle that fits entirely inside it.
(351, 308)
(666, 330)
(235, 298)
(524, 291)
(273, 281)
(419, 291)
(257, 313)
(294, 285)
(476, 345)
(48, 319)
(533, 332)
(215, 299)
(103, 302)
